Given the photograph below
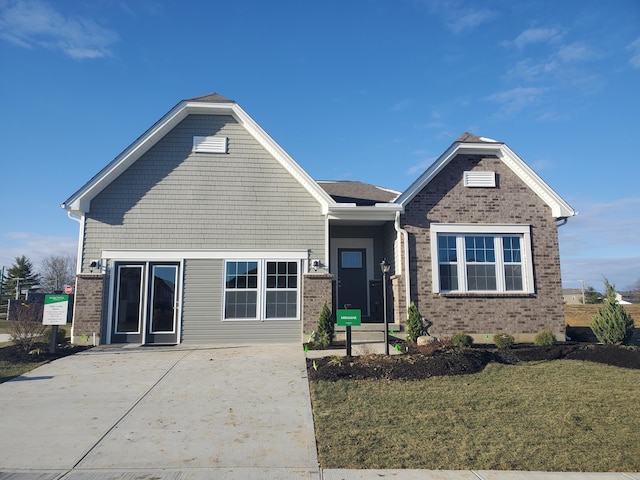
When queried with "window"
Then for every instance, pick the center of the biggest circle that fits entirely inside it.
(261, 289)
(482, 258)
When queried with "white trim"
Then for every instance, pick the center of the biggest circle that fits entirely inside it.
(528, 285)
(167, 255)
(261, 289)
(80, 201)
(559, 208)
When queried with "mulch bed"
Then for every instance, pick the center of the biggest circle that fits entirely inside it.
(420, 363)
(39, 353)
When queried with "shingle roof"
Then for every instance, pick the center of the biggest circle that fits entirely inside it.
(210, 98)
(362, 194)
(467, 137)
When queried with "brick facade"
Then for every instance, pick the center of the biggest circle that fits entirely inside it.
(446, 200)
(87, 314)
(316, 289)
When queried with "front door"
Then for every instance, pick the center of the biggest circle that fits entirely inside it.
(352, 279)
(145, 309)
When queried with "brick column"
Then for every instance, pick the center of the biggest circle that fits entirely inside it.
(87, 312)
(316, 289)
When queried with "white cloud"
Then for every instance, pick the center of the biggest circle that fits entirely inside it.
(33, 246)
(31, 23)
(602, 241)
(537, 35)
(576, 52)
(402, 105)
(516, 99)
(467, 20)
(634, 47)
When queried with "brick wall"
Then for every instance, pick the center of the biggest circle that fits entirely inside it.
(87, 313)
(316, 289)
(446, 200)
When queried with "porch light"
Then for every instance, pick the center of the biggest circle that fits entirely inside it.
(385, 267)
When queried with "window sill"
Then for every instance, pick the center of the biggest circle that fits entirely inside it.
(487, 295)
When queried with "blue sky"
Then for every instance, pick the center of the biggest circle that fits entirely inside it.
(363, 90)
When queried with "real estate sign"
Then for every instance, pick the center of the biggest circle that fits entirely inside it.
(55, 309)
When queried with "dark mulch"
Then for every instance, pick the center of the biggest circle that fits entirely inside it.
(421, 363)
(39, 353)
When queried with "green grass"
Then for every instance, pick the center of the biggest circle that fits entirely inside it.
(9, 370)
(562, 415)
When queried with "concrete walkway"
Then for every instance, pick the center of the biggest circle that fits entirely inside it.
(169, 413)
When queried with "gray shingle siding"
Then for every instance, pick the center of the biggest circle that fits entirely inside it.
(171, 198)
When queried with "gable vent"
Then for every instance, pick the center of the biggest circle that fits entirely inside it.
(215, 144)
(480, 179)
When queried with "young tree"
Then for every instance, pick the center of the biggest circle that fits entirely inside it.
(612, 323)
(57, 271)
(21, 273)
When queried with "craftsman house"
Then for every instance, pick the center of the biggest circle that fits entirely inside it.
(205, 230)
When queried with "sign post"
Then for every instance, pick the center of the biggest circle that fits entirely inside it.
(349, 318)
(55, 313)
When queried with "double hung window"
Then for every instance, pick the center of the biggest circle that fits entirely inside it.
(482, 258)
(261, 289)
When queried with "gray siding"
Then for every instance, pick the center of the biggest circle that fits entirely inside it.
(202, 312)
(172, 198)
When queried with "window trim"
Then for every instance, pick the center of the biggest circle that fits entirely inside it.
(261, 290)
(495, 230)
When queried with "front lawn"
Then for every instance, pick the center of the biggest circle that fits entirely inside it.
(560, 415)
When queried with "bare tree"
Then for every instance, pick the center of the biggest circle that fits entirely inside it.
(56, 271)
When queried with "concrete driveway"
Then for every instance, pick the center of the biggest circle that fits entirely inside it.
(243, 411)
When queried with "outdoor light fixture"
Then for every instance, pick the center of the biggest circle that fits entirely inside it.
(385, 267)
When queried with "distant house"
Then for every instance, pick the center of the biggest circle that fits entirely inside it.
(572, 296)
(205, 230)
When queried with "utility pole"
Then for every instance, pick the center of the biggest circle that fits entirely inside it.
(582, 282)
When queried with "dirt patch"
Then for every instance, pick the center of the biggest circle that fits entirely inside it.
(419, 363)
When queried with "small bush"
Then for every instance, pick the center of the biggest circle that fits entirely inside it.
(462, 340)
(415, 327)
(544, 339)
(503, 341)
(62, 333)
(326, 327)
(27, 329)
(612, 324)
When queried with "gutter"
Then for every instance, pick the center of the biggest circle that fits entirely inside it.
(407, 283)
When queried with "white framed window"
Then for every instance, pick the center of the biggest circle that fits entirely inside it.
(481, 259)
(265, 289)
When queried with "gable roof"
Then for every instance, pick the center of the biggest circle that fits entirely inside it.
(211, 104)
(362, 194)
(468, 143)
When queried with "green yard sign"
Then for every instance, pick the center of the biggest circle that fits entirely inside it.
(55, 309)
(348, 318)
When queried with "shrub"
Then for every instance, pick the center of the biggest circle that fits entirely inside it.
(503, 341)
(544, 339)
(461, 340)
(27, 329)
(62, 333)
(326, 327)
(612, 324)
(415, 327)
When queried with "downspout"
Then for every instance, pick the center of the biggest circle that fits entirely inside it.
(80, 220)
(405, 268)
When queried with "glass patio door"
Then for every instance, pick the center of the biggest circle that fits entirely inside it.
(145, 309)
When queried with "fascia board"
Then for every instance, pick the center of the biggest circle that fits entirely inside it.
(559, 208)
(428, 175)
(381, 211)
(284, 158)
(80, 201)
